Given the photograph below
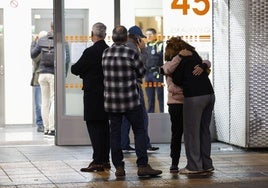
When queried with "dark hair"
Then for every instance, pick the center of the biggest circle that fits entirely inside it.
(119, 34)
(135, 38)
(152, 30)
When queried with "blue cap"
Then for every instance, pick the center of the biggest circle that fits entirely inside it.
(135, 30)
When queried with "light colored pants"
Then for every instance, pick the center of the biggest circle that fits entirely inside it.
(197, 112)
(46, 82)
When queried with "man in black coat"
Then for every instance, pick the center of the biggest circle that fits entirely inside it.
(89, 68)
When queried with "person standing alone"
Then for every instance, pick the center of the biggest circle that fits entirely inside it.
(36, 86)
(45, 46)
(89, 68)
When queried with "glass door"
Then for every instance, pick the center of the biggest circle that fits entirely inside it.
(73, 26)
(75, 29)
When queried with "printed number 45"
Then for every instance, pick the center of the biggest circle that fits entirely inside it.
(185, 6)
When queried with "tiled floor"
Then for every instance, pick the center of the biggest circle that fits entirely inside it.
(28, 159)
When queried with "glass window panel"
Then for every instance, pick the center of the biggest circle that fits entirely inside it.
(77, 37)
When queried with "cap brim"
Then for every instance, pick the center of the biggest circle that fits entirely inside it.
(143, 36)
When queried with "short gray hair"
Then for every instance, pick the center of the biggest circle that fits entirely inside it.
(99, 29)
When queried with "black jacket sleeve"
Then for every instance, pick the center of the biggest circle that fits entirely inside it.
(35, 49)
(178, 74)
(80, 67)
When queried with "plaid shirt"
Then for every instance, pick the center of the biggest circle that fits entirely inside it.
(122, 66)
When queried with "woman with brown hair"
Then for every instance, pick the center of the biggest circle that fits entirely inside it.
(175, 95)
(198, 105)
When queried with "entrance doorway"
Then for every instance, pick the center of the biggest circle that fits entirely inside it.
(76, 23)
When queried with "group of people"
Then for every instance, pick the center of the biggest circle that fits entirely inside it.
(112, 78)
(114, 100)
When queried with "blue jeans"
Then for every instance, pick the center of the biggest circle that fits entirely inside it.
(135, 118)
(150, 91)
(125, 128)
(37, 106)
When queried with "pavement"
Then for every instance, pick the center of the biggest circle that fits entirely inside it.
(34, 161)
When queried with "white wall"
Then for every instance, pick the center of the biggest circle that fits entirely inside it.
(18, 68)
(18, 36)
(98, 11)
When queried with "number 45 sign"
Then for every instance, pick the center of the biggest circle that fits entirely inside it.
(185, 6)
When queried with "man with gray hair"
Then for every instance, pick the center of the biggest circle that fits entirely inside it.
(89, 69)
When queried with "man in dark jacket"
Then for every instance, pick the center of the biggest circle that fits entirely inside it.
(89, 68)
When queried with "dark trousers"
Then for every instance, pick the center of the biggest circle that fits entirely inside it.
(150, 91)
(176, 118)
(125, 141)
(135, 117)
(99, 133)
(125, 128)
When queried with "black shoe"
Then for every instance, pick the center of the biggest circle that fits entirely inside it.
(106, 165)
(46, 133)
(92, 167)
(120, 172)
(148, 171)
(152, 149)
(51, 133)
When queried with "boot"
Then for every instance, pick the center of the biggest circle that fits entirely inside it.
(120, 172)
(106, 165)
